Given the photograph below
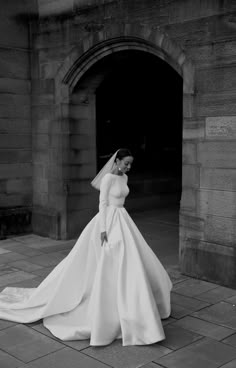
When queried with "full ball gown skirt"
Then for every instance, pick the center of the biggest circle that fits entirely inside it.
(119, 290)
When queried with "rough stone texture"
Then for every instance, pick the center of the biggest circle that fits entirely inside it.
(196, 38)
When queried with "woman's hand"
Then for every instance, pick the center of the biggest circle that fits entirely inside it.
(103, 237)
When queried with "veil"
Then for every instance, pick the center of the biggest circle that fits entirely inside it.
(107, 168)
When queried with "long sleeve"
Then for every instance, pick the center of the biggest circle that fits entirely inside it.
(103, 200)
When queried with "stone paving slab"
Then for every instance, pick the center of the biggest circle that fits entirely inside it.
(204, 328)
(217, 294)
(64, 358)
(231, 364)
(221, 313)
(205, 353)
(201, 320)
(77, 344)
(177, 337)
(20, 248)
(193, 287)
(11, 257)
(25, 265)
(48, 259)
(119, 356)
(14, 277)
(8, 361)
(26, 344)
(231, 340)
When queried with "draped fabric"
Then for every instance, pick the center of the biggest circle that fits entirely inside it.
(119, 290)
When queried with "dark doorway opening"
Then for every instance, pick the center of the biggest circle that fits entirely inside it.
(139, 106)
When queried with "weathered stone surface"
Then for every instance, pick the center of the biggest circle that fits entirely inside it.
(188, 199)
(217, 154)
(14, 63)
(218, 178)
(189, 153)
(191, 176)
(208, 261)
(216, 202)
(20, 170)
(220, 229)
(216, 79)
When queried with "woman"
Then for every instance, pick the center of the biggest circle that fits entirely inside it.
(111, 285)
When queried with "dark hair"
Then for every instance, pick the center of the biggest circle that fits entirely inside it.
(122, 153)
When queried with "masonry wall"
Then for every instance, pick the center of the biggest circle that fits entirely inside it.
(205, 30)
(15, 118)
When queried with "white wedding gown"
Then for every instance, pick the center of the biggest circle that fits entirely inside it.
(119, 290)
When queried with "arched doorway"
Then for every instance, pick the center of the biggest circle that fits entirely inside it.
(139, 106)
(129, 98)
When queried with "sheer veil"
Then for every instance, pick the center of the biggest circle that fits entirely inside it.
(107, 168)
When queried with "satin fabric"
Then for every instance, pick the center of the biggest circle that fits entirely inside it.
(119, 290)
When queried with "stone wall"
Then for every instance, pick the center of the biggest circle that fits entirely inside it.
(15, 118)
(198, 39)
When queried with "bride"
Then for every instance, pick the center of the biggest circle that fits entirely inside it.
(111, 285)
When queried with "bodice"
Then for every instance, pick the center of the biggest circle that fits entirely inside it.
(113, 191)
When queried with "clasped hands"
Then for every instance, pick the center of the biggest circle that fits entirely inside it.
(103, 237)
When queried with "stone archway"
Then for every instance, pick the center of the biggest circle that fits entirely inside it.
(88, 52)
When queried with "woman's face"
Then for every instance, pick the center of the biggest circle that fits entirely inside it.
(125, 164)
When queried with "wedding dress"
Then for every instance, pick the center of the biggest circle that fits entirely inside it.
(101, 293)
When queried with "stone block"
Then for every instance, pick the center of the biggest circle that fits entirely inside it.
(209, 54)
(15, 125)
(188, 199)
(14, 156)
(20, 170)
(14, 63)
(82, 156)
(19, 112)
(193, 130)
(46, 222)
(23, 185)
(44, 112)
(189, 106)
(14, 99)
(15, 141)
(42, 86)
(48, 70)
(40, 142)
(215, 104)
(15, 200)
(79, 187)
(221, 230)
(15, 86)
(80, 112)
(217, 154)
(82, 171)
(82, 126)
(82, 141)
(216, 79)
(190, 176)
(189, 153)
(79, 202)
(40, 185)
(208, 261)
(77, 220)
(216, 202)
(191, 227)
(54, 7)
(219, 179)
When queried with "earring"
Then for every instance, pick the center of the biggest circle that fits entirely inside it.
(119, 168)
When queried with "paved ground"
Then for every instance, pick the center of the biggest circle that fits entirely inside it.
(201, 332)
